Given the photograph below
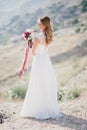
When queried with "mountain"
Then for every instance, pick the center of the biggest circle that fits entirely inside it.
(16, 16)
(10, 8)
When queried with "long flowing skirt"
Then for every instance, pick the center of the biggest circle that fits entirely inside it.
(41, 97)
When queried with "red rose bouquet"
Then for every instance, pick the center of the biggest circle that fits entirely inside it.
(27, 35)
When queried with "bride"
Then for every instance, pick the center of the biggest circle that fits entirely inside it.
(41, 97)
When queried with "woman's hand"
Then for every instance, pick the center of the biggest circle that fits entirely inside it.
(33, 52)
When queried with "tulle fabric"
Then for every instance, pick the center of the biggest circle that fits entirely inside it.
(41, 97)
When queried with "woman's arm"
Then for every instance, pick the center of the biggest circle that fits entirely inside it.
(35, 44)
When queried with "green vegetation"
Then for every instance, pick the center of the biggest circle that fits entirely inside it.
(17, 92)
(73, 93)
(68, 94)
(77, 30)
(84, 6)
(60, 95)
(75, 21)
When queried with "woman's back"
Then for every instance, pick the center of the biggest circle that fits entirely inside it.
(42, 48)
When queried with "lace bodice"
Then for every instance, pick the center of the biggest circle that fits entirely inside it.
(42, 48)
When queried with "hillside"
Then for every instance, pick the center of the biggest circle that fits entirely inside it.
(12, 7)
(68, 54)
(63, 14)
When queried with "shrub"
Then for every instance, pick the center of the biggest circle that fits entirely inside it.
(75, 21)
(82, 24)
(16, 92)
(84, 6)
(60, 94)
(74, 93)
(77, 30)
(68, 94)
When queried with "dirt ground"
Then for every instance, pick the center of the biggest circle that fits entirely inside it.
(74, 117)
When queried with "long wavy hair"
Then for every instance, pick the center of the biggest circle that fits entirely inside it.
(48, 31)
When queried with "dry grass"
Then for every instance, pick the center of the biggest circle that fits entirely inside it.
(67, 64)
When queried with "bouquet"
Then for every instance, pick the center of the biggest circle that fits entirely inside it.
(28, 35)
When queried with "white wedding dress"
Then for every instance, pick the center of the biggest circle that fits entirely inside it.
(41, 97)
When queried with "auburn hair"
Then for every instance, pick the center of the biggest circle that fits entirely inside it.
(48, 31)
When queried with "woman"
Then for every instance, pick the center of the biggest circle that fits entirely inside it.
(41, 97)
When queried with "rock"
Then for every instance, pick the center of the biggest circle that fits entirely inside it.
(3, 115)
(1, 118)
(14, 112)
(1, 121)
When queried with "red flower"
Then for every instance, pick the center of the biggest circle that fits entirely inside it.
(26, 35)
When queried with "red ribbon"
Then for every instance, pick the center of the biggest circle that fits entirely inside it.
(25, 60)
